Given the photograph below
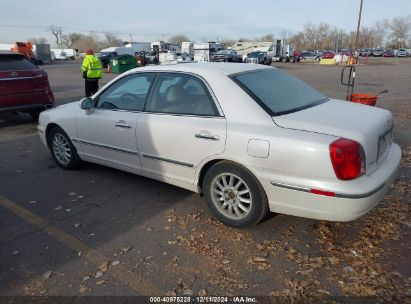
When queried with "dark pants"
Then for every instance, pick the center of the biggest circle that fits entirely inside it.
(91, 86)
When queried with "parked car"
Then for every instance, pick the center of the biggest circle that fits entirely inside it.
(250, 138)
(388, 53)
(105, 57)
(24, 87)
(378, 52)
(327, 55)
(183, 57)
(227, 56)
(402, 53)
(309, 56)
(258, 57)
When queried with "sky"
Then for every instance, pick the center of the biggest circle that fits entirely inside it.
(208, 20)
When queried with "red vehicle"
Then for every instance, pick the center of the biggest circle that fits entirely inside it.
(388, 53)
(23, 86)
(327, 55)
(297, 54)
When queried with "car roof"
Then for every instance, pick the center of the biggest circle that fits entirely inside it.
(225, 68)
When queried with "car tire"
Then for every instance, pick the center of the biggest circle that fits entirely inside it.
(62, 149)
(35, 114)
(283, 59)
(234, 195)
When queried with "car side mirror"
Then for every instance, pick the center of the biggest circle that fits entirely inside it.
(87, 105)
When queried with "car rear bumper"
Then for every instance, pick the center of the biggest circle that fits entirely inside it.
(352, 198)
(27, 102)
(22, 108)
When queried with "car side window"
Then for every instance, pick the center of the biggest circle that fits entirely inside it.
(128, 93)
(181, 94)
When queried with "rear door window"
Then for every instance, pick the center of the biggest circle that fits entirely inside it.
(15, 63)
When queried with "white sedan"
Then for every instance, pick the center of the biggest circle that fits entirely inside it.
(251, 139)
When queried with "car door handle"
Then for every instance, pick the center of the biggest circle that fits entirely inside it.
(207, 135)
(123, 124)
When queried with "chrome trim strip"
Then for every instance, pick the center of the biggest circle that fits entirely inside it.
(104, 146)
(15, 78)
(176, 162)
(291, 187)
(339, 195)
(362, 195)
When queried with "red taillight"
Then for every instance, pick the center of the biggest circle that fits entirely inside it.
(348, 158)
(40, 75)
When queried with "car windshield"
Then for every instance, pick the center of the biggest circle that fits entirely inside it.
(277, 92)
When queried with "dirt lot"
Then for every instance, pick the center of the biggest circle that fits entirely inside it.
(99, 231)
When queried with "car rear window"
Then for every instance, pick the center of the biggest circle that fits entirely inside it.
(277, 92)
(15, 63)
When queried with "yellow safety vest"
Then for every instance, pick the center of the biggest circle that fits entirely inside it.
(92, 65)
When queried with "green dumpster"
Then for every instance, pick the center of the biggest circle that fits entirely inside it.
(122, 63)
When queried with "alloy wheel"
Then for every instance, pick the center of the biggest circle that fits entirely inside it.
(231, 196)
(61, 149)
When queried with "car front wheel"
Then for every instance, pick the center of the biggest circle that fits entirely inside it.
(234, 195)
(62, 149)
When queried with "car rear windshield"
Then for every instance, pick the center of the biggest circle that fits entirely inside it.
(15, 63)
(277, 92)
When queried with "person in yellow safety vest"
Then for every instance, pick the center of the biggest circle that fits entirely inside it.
(92, 69)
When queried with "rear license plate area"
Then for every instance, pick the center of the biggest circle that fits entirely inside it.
(384, 143)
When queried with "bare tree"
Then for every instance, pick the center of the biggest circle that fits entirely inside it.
(267, 38)
(227, 42)
(380, 33)
(70, 39)
(57, 32)
(298, 41)
(40, 40)
(112, 39)
(285, 36)
(400, 29)
(88, 41)
(178, 39)
(243, 39)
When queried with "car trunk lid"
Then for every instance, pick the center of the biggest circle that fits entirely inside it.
(369, 126)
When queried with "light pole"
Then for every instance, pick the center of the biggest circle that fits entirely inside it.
(358, 29)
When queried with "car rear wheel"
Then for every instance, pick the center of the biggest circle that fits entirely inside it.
(35, 114)
(62, 149)
(234, 195)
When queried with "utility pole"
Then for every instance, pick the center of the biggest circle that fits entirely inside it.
(358, 29)
(60, 31)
